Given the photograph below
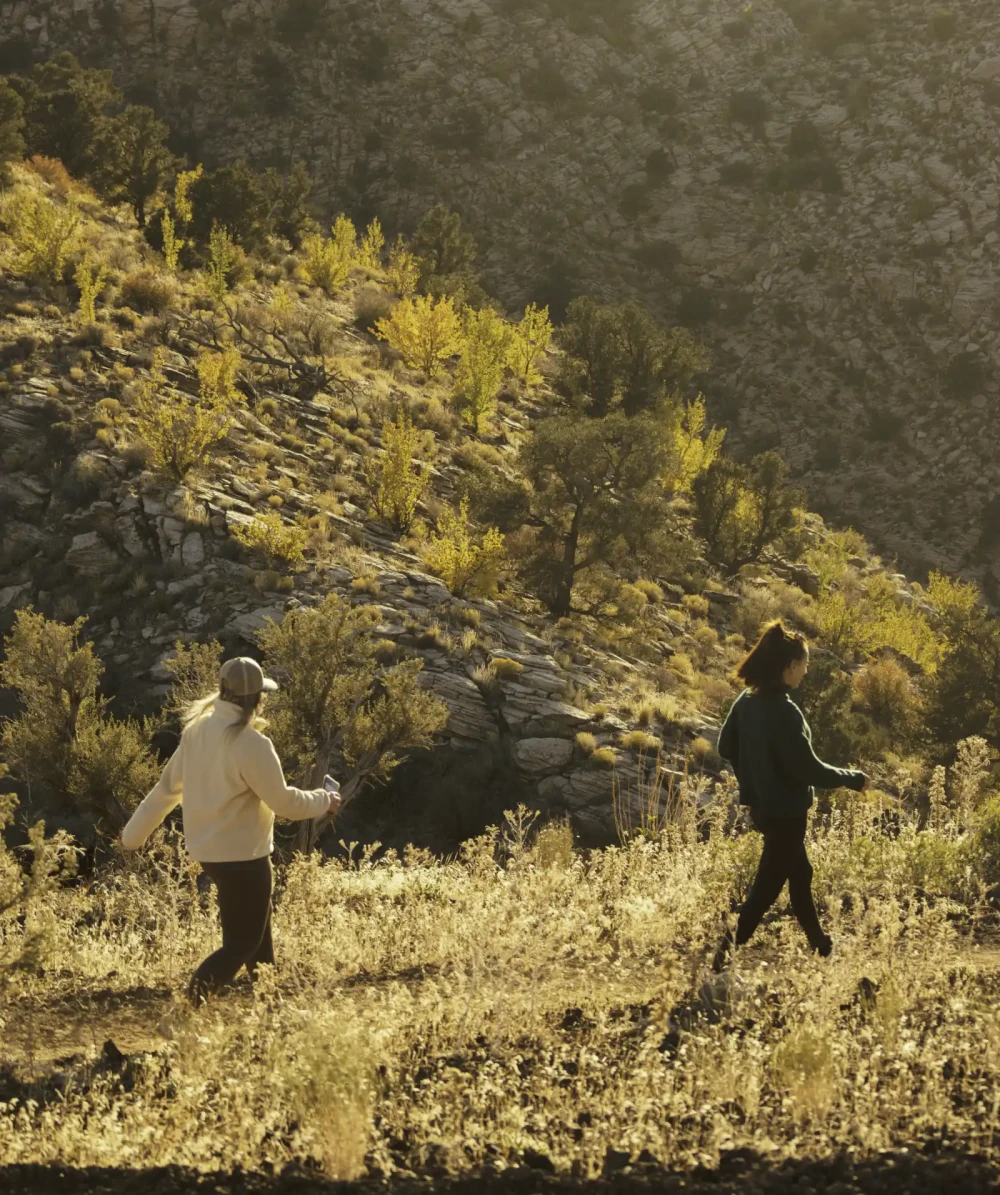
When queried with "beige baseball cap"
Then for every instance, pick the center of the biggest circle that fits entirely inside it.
(244, 676)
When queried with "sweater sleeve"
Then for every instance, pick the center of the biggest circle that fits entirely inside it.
(729, 735)
(160, 800)
(801, 761)
(261, 769)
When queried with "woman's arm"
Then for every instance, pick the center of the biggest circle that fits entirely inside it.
(261, 769)
(797, 756)
(161, 799)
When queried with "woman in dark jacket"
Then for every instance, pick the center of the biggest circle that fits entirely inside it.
(768, 742)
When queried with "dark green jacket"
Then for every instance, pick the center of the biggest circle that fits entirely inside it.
(768, 741)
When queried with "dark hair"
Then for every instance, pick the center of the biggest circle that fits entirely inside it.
(764, 668)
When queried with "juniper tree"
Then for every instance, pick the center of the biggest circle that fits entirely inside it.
(132, 158)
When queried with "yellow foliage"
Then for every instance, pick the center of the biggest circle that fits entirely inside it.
(861, 624)
(273, 538)
(395, 480)
(90, 279)
(43, 233)
(372, 244)
(695, 449)
(485, 348)
(182, 433)
(530, 338)
(403, 271)
(221, 259)
(424, 331)
(469, 562)
(182, 194)
(328, 262)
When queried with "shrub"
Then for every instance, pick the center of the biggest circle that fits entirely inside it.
(272, 538)
(530, 338)
(965, 374)
(90, 280)
(603, 757)
(749, 108)
(486, 338)
(553, 848)
(222, 260)
(506, 669)
(403, 270)
(650, 588)
(424, 331)
(329, 705)
(887, 694)
(182, 434)
(696, 306)
(148, 292)
(371, 304)
(943, 24)
(696, 449)
(640, 740)
(468, 561)
(396, 483)
(327, 262)
(63, 743)
(742, 509)
(805, 140)
(42, 231)
(52, 171)
(739, 173)
(586, 742)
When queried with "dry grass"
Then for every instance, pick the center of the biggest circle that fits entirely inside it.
(439, 1015)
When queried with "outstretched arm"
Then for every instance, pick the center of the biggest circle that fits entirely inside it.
(161, 799)
(261, 769)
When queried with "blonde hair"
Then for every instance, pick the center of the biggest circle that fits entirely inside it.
(248, 706)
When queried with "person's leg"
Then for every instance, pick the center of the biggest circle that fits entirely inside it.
(800, 874)
(265, 951)
(765, 890)
(243, 892)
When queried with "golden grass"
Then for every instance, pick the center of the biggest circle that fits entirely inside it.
(446, 1013)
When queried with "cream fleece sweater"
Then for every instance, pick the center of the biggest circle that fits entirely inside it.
(230, 787)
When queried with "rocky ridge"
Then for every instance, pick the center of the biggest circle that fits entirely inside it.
(853, 328)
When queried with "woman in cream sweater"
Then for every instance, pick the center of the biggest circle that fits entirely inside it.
(228, 779)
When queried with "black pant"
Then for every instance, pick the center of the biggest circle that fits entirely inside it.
(784, 858)
(243, 891)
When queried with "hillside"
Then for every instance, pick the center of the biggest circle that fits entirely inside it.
(622, 694)
(811, 185)
(523, 615)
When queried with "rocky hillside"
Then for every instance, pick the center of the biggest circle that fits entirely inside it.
(561, 714)
(812, 185)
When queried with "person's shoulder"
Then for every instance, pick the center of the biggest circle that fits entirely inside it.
(790, 708)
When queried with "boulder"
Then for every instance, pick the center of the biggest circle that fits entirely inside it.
(89, 554)
(193, 550)
(540, 756)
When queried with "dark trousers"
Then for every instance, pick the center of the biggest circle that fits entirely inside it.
(243, 891)
(783, 858)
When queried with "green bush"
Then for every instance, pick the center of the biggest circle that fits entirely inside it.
(738, 173)
(148, 292)
(943, 24)
(749, 108)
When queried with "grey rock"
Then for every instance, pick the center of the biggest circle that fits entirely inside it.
(90, 555)
(193, 550)
(538, 756)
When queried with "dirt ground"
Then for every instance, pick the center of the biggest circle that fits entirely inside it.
(740, 1174)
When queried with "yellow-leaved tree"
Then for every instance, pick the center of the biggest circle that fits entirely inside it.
(43, 233)
(180, 432)
(696, 448)
(485, 347)
(394, 479)
(174, 225)
(468, 560)
(403, 271)
(90, 279)
(530, 338)
(424, 331)
(327, 261)
(372, 244)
